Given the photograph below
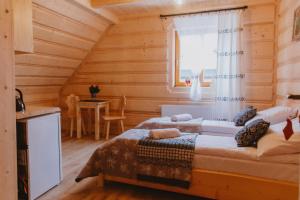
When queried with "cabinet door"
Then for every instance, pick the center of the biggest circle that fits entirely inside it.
(23, 31)
(44, 153)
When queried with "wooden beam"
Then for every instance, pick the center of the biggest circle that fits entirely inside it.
(99, 11)
(222, 185)
(8, 147)
(99, 3)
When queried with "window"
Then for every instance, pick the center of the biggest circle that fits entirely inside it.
(195, 55)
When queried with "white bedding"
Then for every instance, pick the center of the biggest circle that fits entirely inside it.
(205, 127)
(214, 127)
(222, 154)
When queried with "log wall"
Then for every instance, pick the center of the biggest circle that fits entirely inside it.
(64, 33)
(288, 71)
(132, 60)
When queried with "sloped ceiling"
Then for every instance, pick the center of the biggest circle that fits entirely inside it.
(151, 7)
(64, 33)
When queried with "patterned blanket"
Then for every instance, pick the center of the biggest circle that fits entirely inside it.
(191, 126)
(118, 157)
(166, 161)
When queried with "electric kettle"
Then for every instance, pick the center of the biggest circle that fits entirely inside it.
(20, 105)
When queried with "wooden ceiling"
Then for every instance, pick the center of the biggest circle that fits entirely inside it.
(99, 3)
(146, 7)
(131, 8)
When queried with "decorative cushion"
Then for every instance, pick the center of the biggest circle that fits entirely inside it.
(288, 129)
(245, 115)
(251, 133)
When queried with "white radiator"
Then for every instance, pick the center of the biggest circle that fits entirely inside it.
(204, 111)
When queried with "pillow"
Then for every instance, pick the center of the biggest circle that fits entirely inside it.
(181, 117)
(251, 133)
(274, 142)
(243, 116)
(275, 114)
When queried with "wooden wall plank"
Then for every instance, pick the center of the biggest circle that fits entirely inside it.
(64, 33)
(8, 154)
(48, 60)
(258, 64)
(259, 32)
(260, 50)
(104, 67)
(260, 14)
(288, 71)
(138, 25)
(31, 70)
(28, 81)
(59, 37)
(113, 78)
(140, 40)
(148, 54)
(43, 47)
(262, 78)
(39, 89)
(57, 21)
(73, 11)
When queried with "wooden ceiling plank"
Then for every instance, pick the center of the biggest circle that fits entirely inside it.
(100, 3)
(100, 11)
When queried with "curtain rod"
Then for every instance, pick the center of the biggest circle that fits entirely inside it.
(205, 11)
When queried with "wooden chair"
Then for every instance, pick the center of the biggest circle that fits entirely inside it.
(71, 103)
(120, 117)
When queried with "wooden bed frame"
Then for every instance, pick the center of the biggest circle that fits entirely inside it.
(222, 185)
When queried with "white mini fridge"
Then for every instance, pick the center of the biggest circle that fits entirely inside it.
(39, 155)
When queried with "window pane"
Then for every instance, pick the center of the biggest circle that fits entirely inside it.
(197, 53)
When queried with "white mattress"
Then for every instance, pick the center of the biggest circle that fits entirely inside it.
(222, 154)
(213, 127)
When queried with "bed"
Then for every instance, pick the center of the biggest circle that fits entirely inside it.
(221, 170)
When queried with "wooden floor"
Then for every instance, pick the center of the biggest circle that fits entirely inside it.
(75, 154)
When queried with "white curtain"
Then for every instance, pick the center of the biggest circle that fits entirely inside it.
(196, 89)
(229, 80)
(196, 23)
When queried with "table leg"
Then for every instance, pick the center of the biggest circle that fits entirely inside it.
(90, 121)
(97, 123)
(78, 117)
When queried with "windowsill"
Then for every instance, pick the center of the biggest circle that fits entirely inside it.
(185, 93)
(203, 85)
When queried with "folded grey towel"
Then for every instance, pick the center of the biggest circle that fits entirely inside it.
(164, 133)
(181, 117)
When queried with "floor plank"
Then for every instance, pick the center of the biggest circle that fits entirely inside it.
(75, 155)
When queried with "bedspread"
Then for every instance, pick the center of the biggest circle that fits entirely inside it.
(166, 161)
(118, 157)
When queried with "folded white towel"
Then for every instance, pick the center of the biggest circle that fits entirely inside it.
(164, 133)
(181, 117)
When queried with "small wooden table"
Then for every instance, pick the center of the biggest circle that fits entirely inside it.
(96, 104)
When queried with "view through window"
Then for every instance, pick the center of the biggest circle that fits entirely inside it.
(196, 54)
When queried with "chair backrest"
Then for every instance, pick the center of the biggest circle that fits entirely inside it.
(123, 103)
(71, 103)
